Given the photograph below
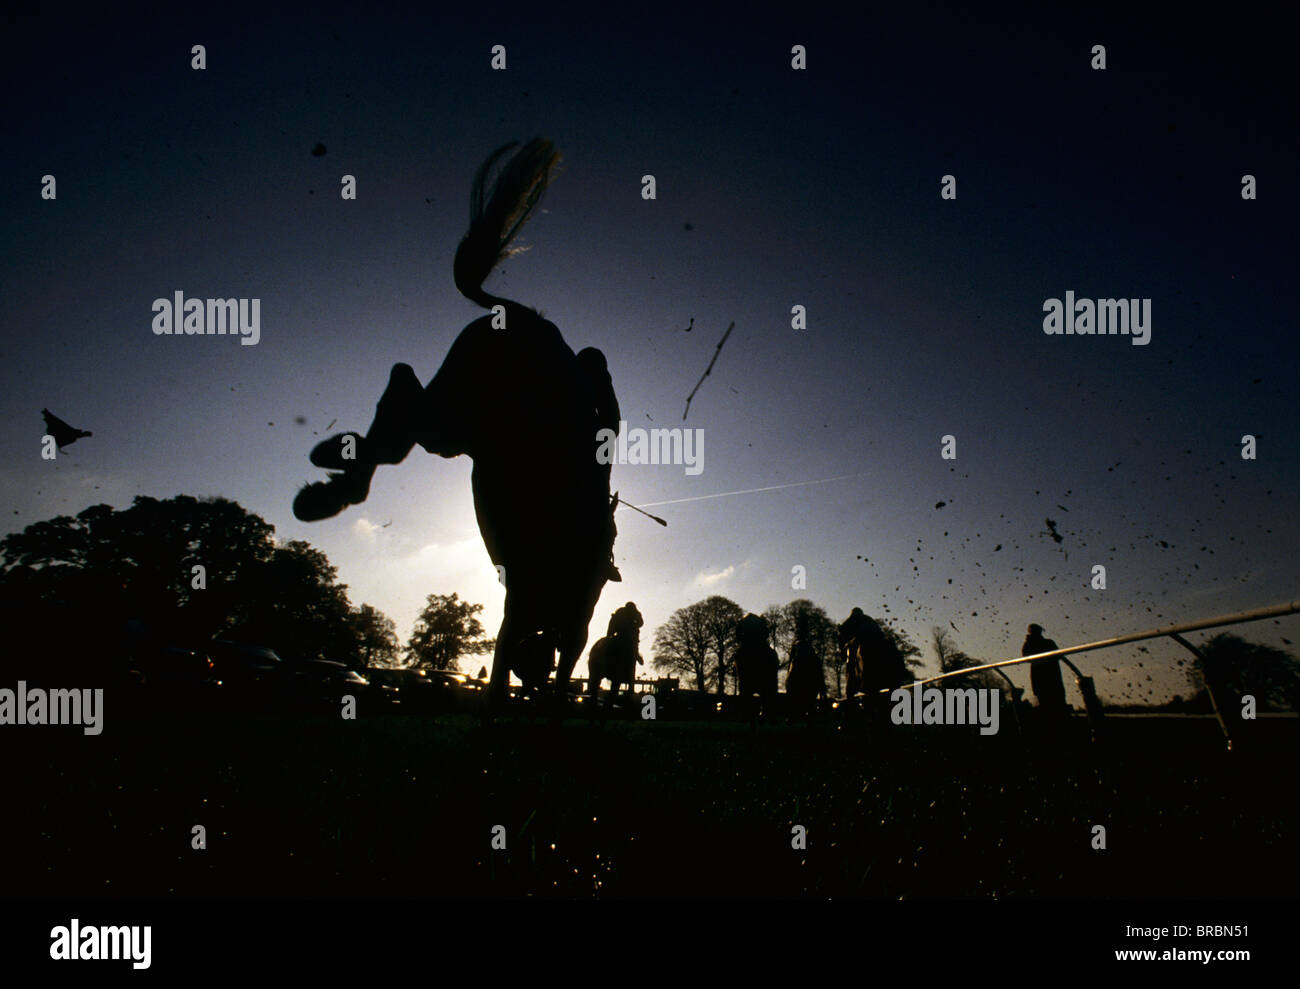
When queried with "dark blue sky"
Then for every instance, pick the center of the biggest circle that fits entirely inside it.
(818, 188)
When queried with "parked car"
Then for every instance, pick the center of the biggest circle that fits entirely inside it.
(687, 705)
(174, 677)
(250, 674)
(421, 691)
(385, 684)
(324, 683)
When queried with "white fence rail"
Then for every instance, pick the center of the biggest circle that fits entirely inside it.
(1254, 615)
(1172, 631)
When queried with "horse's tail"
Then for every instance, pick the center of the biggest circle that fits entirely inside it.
(498, 209)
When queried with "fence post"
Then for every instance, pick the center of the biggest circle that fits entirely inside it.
(1209, 687)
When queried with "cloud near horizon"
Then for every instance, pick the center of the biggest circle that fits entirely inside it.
(710, 581)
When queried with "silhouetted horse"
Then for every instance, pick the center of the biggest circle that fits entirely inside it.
(872, 662)
(513, 396)
(756, 665)
(615, 655)
(806, 681)
(613, 658)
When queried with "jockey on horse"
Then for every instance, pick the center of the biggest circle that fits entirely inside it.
(615, 656)
(873, 663)
(805, 684)
(756, 664)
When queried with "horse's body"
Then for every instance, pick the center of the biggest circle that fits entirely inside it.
(869, 671)
(613, 658)
(555, 552)
(872, 662)
(806, 681)
(756, 664)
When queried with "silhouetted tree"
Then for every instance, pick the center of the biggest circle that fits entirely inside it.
(910, 650)
(836, 664)
(780, 631)
(781, 620)
(150, 550)
(74, 585)
(446, 630)
(680, 647)
(1269, 674)
(376, 635)
(698, 641)
(951, 658)
(299, 609)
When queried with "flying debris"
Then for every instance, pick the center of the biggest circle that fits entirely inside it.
(691, 326)
(318, 151)
(64, 435)
(708, 370)
(940, 504)
(1051, 531)
(331, 425)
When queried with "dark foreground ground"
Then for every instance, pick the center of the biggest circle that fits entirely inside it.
(405, 806)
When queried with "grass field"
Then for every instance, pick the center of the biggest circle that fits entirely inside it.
(405, 806)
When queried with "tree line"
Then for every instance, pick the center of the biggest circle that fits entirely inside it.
(186, 570)
(699, 641)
